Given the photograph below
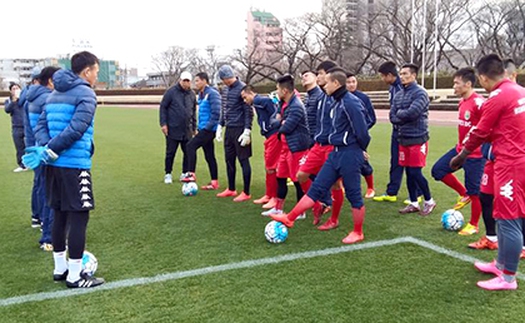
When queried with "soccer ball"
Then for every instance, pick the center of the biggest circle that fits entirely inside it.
(189, 189)
(89, 263)
(276, 232)
(452, 220)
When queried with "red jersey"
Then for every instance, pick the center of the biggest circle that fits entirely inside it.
(502, 123)
(469, 116)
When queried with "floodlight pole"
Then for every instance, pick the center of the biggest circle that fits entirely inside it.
(424, 43)
(413, 23)
(435, 46)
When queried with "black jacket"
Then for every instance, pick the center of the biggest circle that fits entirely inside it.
(17, 113)
(177, 111)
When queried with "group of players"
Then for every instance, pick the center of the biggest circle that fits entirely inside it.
(320, 145)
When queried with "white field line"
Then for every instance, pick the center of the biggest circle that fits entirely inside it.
(37, 297)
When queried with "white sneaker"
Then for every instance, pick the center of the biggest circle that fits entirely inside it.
(182, 177)
(302, 216)
(19, 169)
(271, 211)
(168, 179)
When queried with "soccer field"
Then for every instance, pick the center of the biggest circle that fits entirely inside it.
(170, 258)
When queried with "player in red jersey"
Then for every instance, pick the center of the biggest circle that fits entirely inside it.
(503, 124)
(469, 115)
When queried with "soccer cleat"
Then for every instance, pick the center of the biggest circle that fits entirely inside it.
(271, 211)
(188, 177)
(35, 223)
(46, 246)
(488, 268)
(407, 201)
(409, 209)
(168, 179)
(227, 193)
(462, 202)
(318, 210)
(468, 230)
(242, 197)
(271, 203)
(263, 200)
(60, 277)
(20, 169)
(328, 225)
(428, 207)
(85, 281)
(283, 218)
(498, 283)
(301, 216)
(484, 243)
(370, 193)
(211, 186)
(289, 182)
(385, 198)
(353, 237)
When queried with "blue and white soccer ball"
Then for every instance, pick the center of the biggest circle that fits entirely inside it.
(89, 263)
(452, 220)
(276, 232)
(190, 189)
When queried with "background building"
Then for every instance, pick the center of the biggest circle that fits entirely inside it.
(264, 33)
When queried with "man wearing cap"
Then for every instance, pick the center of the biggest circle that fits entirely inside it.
(177, 122)
(237, 117)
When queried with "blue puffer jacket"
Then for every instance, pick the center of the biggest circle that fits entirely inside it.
(410, 114)
(311, 103)
(370, 114)
(29, 136)
(209, 102)
(349, 127)
(323, 122)
(66, 125)
(266, 112)
(294, 126)
(36, 100)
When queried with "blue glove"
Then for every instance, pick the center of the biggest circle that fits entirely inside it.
(36, 155)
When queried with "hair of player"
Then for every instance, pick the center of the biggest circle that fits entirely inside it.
(388, 68)
(81, 60)
(286, 82)
(326, 65)
(46, 74)
(491, 66)
(308, 71)
(467, 74)
(203, 76)
(13, 84)
(350, 74)
(337, 74)
(248, 88)
(414, 69)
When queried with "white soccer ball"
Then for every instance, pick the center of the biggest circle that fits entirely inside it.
(452, 220)
(276, 232)
(89, 263)
(190, 189)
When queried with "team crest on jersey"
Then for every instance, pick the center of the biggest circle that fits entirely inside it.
(467, 115)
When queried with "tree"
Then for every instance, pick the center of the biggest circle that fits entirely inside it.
(173, 61)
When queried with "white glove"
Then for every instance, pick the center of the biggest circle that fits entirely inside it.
(218, 133)
(245, 139)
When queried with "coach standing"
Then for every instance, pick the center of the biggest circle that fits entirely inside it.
(237, 117)
(177, 121)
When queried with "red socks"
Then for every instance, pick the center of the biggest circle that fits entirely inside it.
(271, 184)
(306, 186)
(369, 181)
(452, 181)
(304, 204)
(337, 204)
(279, 204)
(359, 219)
(475, 211)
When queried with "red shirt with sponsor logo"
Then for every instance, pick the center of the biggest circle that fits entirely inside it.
(469, 116)
(502, 123)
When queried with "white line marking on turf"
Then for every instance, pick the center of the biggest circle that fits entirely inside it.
(232, 266)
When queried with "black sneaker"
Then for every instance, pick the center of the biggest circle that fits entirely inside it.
(60, 277)
(35, 223)
(86, 281)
